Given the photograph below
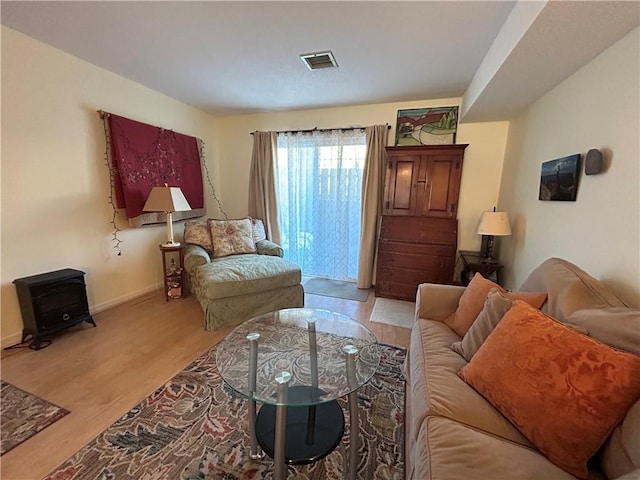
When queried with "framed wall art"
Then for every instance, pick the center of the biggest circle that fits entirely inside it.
(559, 179)
(427, 126)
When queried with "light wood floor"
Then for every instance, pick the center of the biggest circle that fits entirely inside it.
(101, 373)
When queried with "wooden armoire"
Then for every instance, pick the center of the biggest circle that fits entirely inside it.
(419, 232)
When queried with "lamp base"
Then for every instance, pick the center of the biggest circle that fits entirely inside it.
(171, 244)
(489, 261)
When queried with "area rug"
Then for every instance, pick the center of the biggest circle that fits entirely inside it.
(393, 312)
(329, 287)
(22, 415)
(194, 427)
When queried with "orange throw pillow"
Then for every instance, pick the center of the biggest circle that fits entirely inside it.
(564, 391)
(470, 304)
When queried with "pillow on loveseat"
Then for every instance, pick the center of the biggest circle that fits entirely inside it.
(197, 233)
(231, 237)
(258, 232)
(532, 365)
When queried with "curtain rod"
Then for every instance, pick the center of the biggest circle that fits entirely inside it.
(316, 129)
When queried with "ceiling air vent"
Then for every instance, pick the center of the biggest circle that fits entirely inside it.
(319, 60)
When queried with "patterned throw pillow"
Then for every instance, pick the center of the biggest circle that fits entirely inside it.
(532, 365)
(259, 233)
(231, 237)
(197, 233)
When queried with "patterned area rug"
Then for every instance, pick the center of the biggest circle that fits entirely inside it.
(194, 427)
(23, 415)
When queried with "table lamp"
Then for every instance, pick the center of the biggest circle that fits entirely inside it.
(492, 224)
(167, 199)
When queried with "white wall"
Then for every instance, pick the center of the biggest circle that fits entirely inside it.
(481, 171)
(597, 107)
(55, 210)
(54, 185)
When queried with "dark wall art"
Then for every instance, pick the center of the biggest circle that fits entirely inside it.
(559, 179)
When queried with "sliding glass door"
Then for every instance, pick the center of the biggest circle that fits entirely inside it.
(319, 184)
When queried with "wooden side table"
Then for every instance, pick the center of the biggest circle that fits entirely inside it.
(475, 262)
(172, 272)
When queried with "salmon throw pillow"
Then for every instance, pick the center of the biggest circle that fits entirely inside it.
(564, 391)
(470, 304)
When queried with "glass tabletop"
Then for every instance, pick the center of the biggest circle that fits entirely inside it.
(321, 355)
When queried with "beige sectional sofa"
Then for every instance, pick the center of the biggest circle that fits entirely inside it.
(454, 433)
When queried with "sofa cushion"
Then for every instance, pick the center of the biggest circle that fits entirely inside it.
(621, 453)
(618, 327)
(588, 385)
(569, 289)
(231, 237)
(243, 274)
(452, 451)
(436, 390)
(197, 233)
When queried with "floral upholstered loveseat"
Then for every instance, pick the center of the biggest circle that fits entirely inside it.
(236, 273)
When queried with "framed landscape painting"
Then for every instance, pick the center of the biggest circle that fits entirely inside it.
(427, 126)
(559, 179)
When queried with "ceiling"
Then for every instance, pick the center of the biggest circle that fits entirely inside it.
(238, 57)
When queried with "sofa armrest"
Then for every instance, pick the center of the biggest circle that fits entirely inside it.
(266, 247)
(437, 302)
(194, 256)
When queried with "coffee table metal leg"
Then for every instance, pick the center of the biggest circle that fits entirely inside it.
(255, 452)
(354, 428)
(280, 469)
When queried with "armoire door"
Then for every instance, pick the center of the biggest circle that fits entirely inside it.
(441, 178)
(401, 183)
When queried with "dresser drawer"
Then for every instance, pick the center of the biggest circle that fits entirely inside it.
(415, 261)
(400, 291)
(411, 276)
(434, 250)
(439, 231)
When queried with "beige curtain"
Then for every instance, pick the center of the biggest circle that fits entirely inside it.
(262, 185)
(371, 210)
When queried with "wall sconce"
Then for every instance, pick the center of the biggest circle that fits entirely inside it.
(167, 199)
(492, 224)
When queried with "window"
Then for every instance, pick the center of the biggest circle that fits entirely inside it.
(319, 185)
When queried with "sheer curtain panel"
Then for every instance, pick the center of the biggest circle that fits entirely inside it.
(319, 183)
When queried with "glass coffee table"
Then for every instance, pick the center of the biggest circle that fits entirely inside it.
(297, 362)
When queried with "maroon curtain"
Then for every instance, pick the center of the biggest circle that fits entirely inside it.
(144, 156)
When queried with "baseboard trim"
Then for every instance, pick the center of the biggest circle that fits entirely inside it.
(101, 307)
(10, 340)
(15, 338)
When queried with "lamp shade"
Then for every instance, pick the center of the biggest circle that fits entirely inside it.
(166, 199)
(494, 223)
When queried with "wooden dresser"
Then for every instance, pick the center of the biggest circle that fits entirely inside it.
(419, 233)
